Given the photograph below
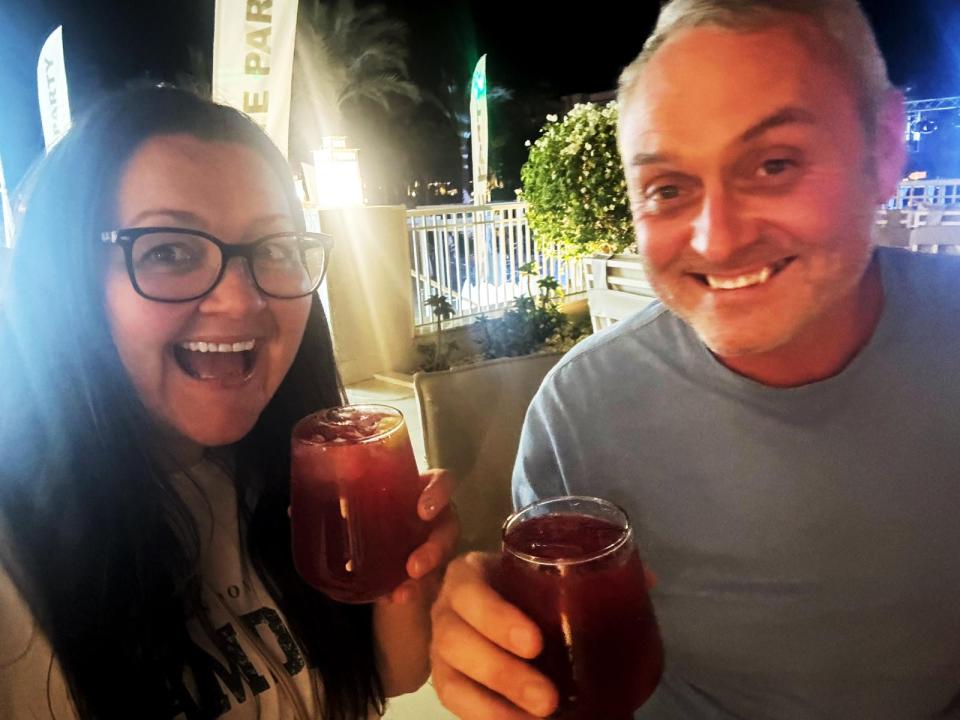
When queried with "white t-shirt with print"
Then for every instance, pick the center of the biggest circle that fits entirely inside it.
(265, 676)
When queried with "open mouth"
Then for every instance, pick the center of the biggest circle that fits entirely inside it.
(746, 280)
(216, 361)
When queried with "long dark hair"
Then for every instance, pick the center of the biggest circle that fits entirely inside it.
(102, 546)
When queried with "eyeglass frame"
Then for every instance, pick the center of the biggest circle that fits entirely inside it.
(126, 237)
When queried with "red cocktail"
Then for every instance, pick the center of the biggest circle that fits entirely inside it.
(354, 492)
(571, 565)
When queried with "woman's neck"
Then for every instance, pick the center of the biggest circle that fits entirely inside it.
(174, 450)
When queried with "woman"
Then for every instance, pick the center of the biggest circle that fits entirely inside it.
(145, 418)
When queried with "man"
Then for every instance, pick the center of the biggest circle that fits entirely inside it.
(783, 428)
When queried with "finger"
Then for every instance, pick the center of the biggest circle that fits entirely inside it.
(439, 547)
(436, 493)
(470, 701)
(467, 652)
(468, 593)
(402, 594)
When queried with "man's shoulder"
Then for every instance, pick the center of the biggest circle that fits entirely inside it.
(921, 274)
(924, 288)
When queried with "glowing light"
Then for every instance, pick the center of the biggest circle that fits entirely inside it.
(337, 174)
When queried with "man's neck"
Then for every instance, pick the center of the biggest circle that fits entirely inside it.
(813, 355)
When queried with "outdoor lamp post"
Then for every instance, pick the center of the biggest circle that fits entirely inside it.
(337, 174)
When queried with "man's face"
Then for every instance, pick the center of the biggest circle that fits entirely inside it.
(752, 184)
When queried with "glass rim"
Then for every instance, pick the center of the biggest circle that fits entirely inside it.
(517, 517)
(385, 409)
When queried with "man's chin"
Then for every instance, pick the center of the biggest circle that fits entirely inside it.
(733, 345)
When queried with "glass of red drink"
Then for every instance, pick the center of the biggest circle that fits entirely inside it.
(353, 505)
(571, 565)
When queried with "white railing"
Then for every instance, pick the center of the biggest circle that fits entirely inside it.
(920, 193)
(472, 255)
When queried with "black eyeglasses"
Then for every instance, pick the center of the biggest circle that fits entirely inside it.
(170, 264)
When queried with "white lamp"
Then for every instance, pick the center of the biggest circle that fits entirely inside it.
(337, 174)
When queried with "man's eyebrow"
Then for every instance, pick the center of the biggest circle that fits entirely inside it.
(785, 116)
(641, 159)
(789, 115)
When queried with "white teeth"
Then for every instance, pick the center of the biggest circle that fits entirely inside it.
(219, 347)
(735, 283)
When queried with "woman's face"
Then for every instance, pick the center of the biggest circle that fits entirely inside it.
(228, 190)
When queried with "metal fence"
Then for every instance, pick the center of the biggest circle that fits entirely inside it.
(914, 194)
(473, 255)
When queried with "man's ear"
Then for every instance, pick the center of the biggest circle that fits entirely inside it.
(889, 145)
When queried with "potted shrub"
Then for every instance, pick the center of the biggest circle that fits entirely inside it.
(574, 186)
(577, 204)
(471, 413)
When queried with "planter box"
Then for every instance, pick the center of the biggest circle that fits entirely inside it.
(471, 417)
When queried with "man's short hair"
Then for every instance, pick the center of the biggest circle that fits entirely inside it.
(841, 20)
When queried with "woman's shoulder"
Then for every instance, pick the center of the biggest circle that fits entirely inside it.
(31, 684)
(17, 624)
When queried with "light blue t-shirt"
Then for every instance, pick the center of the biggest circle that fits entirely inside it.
(806, 541)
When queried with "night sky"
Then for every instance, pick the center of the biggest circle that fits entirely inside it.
(579, 49)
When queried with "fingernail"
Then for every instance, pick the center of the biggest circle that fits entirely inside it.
(416, 568)
(536, 699)
(428, 507)
(522, 640)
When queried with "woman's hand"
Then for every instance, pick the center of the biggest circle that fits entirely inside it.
(402, 618)
(426, 564)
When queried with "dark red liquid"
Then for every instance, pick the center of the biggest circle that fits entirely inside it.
(354, 507)
(601, 644)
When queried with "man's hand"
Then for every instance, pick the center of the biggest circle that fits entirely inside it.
(480, 647)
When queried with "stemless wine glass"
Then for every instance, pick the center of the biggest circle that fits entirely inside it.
(353, 505)
(571, 565)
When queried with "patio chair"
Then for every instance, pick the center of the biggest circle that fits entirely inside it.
(895, 232)
(618, 288)
(609, 306)
(933, 238)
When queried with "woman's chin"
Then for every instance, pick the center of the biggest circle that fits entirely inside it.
(215, 433)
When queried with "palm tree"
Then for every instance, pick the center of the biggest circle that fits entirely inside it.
(351, 78)
(453, 101)
(436, 357)
(198, 77)
(346, 60)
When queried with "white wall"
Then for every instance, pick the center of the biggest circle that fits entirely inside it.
(369, 290)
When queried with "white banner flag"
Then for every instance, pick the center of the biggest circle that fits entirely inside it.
(5, 209)
(478, 131)
(52, 90)
(253, 61)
